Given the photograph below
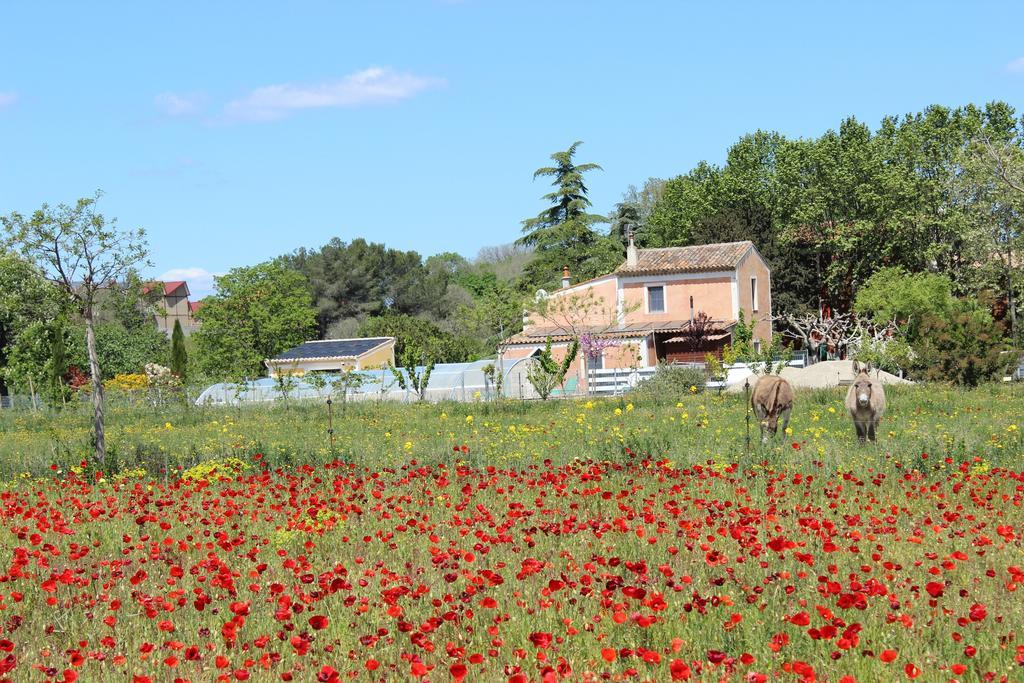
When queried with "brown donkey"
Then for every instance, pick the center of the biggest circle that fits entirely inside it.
(865, 401)
(772, 399)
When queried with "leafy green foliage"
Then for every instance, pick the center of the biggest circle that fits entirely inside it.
(669, 383)
(419, 337)
(827, 212)
(26, 300)
(353, 281)
(256, 313)
(120, 351)
(763, 359)
(545, 373)
(894, 294)
(963, 346)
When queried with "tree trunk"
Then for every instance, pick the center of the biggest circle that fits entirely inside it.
(97, 389)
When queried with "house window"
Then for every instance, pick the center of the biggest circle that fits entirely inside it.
(757, 346)
(597, 362)
(753, 294)
(656, 299)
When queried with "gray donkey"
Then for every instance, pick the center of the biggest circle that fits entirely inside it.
(865, 402)
(771, 400)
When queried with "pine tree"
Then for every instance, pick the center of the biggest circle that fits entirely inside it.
(563, 234)
(179, 356)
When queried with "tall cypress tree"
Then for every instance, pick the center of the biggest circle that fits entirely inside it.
(58, 366)
(179, 356)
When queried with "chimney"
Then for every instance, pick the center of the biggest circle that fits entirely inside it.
(632, 257)
(565, 277)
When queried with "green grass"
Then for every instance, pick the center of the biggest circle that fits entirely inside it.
(934, 420)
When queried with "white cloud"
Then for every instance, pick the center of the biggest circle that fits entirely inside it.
(200, 280)
(7, 99)
(180, 104)
(376, 85)
(1016, 66)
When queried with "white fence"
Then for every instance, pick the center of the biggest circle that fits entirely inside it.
(615, 382)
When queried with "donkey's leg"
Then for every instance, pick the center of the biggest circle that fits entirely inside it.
(862, 431)
(871, 431)
(761, 415)
(784, 418)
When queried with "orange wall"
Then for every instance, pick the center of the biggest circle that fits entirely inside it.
(752, 266)
(601, 312)
(712, 295)
(625, 355)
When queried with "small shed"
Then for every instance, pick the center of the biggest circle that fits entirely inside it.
(334, 355)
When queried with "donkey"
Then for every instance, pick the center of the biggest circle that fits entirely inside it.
(772, 399)
(865, 401)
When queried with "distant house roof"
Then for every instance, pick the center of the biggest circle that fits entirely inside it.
(194, 306)
(538, 335)
(169, 287)
(695, 259)
(331, 349)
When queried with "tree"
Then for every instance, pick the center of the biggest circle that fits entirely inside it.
(826, 212)
(421, 337)
(255, 313)
(414, 373)
(545, 373)
(353, 281)
(894, 295)
(563, 234)
(837, 334)
(963, 346)
(80, 252)
(179, 356)
(27, 299)
(58, 367)
(634, 211)
(493, 316)
(990, 185)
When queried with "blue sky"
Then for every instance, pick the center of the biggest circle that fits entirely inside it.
(234, 132)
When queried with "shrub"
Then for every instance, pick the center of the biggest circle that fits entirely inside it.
(964, 347)
(669, 382)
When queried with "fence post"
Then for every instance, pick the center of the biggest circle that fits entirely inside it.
(330, 422)
(746, 403)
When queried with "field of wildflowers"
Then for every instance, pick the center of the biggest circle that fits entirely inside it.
(600, 540)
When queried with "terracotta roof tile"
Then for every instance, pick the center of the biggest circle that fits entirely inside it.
(538, 335)
(695, 259)
(169, 287)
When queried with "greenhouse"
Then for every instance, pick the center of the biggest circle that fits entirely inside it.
(448, 382)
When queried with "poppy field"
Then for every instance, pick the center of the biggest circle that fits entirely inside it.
(590, 541)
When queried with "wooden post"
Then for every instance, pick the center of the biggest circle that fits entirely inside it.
(330, 422)
(32, 392)
(746, 399)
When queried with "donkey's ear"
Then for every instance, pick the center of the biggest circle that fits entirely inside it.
(856, 367)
